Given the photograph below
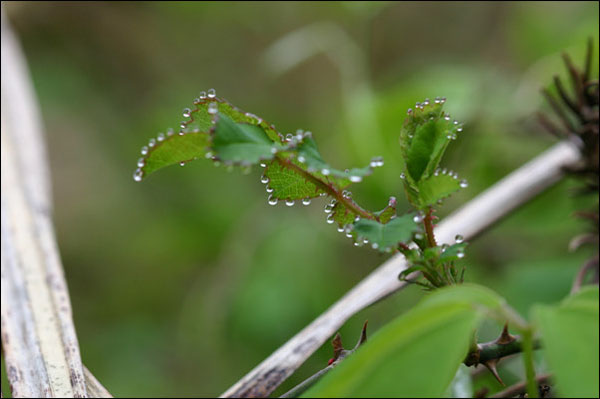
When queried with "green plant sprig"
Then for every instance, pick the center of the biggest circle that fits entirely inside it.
(295, 171)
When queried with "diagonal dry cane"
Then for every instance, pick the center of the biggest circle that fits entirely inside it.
(472, 219)
(39, 342)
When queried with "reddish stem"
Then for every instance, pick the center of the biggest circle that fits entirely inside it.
(328, 188)
(428, 223)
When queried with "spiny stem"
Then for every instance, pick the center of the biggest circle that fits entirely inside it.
(328, 188)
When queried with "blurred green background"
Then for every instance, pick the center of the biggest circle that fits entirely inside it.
(183, 283)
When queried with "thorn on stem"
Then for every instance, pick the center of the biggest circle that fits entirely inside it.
(505, 337)
(491, 365)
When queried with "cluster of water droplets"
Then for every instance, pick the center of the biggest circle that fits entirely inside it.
(463, 183)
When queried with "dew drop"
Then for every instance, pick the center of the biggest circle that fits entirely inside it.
(187, 112)
(213, 108)
(182, 125)
(141, 162)
(410, 111)
(306, 201)
(460, 129)
(301, 159)
(152, 143)
(418, 236)
(464, 183)
(459, 238)
(442, 100)
(264, 179)
(340, 229)
(144, 150)
(355, 179)
(202, 95)
(289, 202)
(269, 189)
(263, 165)
(330, 219)
(212, 93)
(209, 155)
(138, 174)
(376, 162)
(170, 132)
(418, 218)
(328, 208)
(444, 171)
(160, 137)
(375, 245)
(402, 176)
(437, 172)
(289, 137)
(349, 235)
(181, 163)
(392, 202)
(346, 194)
(325, 172)
(460, 255)
(437, 100)
(272, 200)
(447, 117)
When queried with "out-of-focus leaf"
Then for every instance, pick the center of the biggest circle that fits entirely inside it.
(417, 354)
(569, 334)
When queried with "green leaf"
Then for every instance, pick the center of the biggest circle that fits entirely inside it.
(569, 334)
(410, 357)
(452, 252)
(471, 294)
(308, 155)
(241, 143)
(389, 212)
(201, 120)
(437, 187)
(341, 215)
(172, 149)
(424, 138)
(399, 229)
(426, 147)
(287, 183)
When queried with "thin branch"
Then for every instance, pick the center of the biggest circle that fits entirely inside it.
(519, 388)
(475, 217)
(306, 384)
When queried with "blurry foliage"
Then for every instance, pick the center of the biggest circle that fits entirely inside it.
(178, 290)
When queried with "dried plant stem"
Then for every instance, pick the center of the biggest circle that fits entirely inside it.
(40, 345)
